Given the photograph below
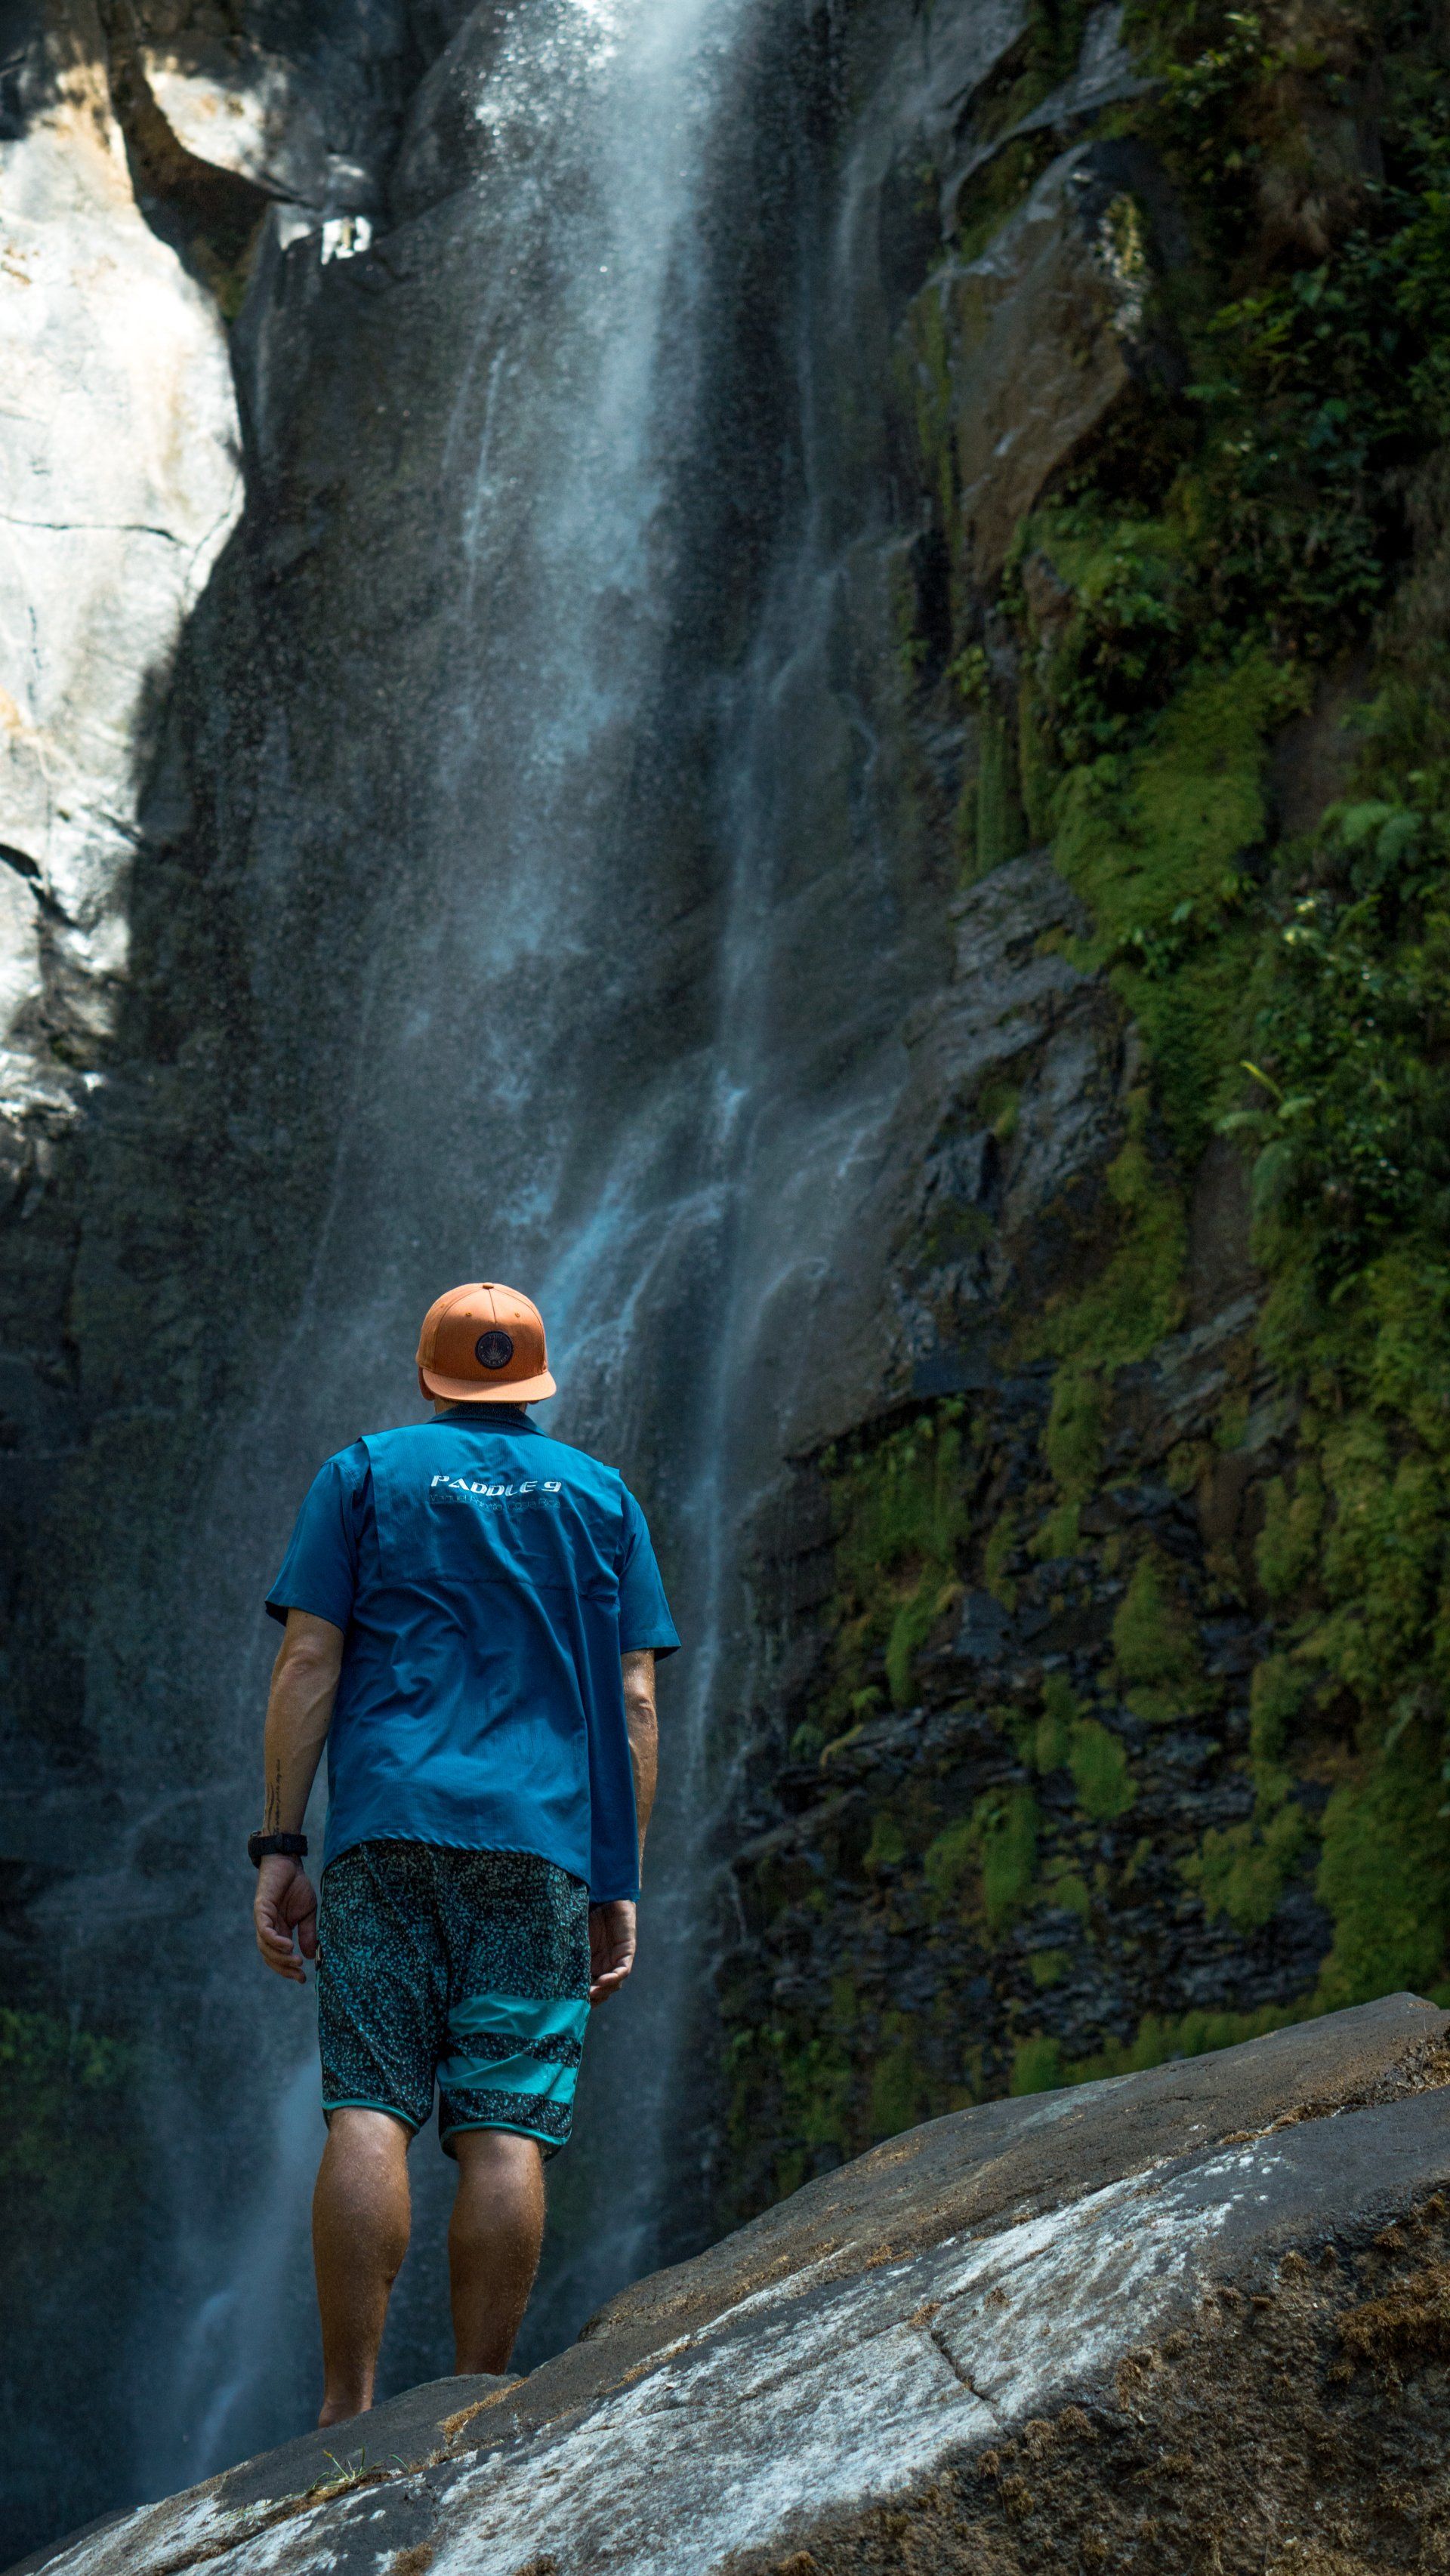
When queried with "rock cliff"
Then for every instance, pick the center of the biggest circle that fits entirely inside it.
(899, 880)
(1192, 2316)
(1093, 1724)
(122, 480)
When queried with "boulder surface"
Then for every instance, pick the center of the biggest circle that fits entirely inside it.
(1193, 2317)
(120, 466)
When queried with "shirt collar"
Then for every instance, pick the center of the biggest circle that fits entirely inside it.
(497, 1417)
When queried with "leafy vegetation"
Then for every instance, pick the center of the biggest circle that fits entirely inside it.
(61, 2086)
(1098, 1762)
(1039, 2064)
(70, 2152)
(900, 1516)
(1178, 599)
(1156, 1644)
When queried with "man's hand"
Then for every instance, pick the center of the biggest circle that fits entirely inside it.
(285, 1904)
(612, 1935)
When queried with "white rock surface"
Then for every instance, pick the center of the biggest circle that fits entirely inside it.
(951, 2291)
(119, 484)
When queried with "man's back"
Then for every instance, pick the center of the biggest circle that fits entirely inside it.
(488, 1580)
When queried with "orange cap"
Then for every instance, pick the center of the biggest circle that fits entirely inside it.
(483, 1344)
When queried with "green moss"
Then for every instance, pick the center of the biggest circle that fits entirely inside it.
(949, 1860)
(1099, 1764)
(1242, 1870)
(1036, 2066)
(900, 1514)
(1276, 1695)
(1059, 1535)
(999, 1840)
(1073, 1441)
(1384, 1555)
(1003, 1541)
(1005, 1823)
(813, 2081)
(914, 1616)
(1193, 2034)
(1136, 1295)
(1155, 844)
(896, 2090)
(1069, 1889)
(1286, 1550)
(998, 1105)
(997, 188)
(1156, 1647)
(1141, 840)
(887, 1847)
(1035, 773)
(71, 2155)
(1039, 2066)
(1385, 1875)
(1052, 1734)
(1059, 1700)
(999, 826)
(1406, 1326)
(1232, 1421)
(1048, 1967)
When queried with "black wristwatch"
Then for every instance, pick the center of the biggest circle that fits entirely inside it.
(261, 1847)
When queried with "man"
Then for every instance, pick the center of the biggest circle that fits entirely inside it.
(472, 1614)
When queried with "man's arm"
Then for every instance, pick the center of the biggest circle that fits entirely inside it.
(644, 1734)
(299, 1712)
(613, 1929)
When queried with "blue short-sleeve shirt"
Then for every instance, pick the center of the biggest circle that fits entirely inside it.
(487, 1580)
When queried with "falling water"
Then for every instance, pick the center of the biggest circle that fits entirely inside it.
(505, 1107)
(577, 924)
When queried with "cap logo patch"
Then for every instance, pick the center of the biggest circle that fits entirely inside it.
(494, 1350)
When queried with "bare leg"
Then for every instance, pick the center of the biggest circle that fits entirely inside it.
(494, 2237)
(360, 2218)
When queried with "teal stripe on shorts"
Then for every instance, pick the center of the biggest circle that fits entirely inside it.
(540, 2078)
(546, 2064)
(520, 2017)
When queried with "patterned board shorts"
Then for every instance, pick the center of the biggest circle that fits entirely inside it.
(471, 1965)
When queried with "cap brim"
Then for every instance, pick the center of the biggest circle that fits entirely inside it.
(466, 1390)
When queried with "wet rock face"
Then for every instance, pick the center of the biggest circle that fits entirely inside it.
(1083, 1732)
(1040, 327)
(1029, 1716)
(981, 1883)
(146, 152)
(1201, 2311)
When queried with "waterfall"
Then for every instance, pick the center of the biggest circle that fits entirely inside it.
(541, 742)
(508, 1101)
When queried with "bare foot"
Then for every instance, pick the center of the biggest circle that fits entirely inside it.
(337, 2410)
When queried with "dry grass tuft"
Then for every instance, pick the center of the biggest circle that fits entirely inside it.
(1409, 2324)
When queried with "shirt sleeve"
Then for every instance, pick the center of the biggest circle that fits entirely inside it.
(644, 1613)
(319, 1570)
